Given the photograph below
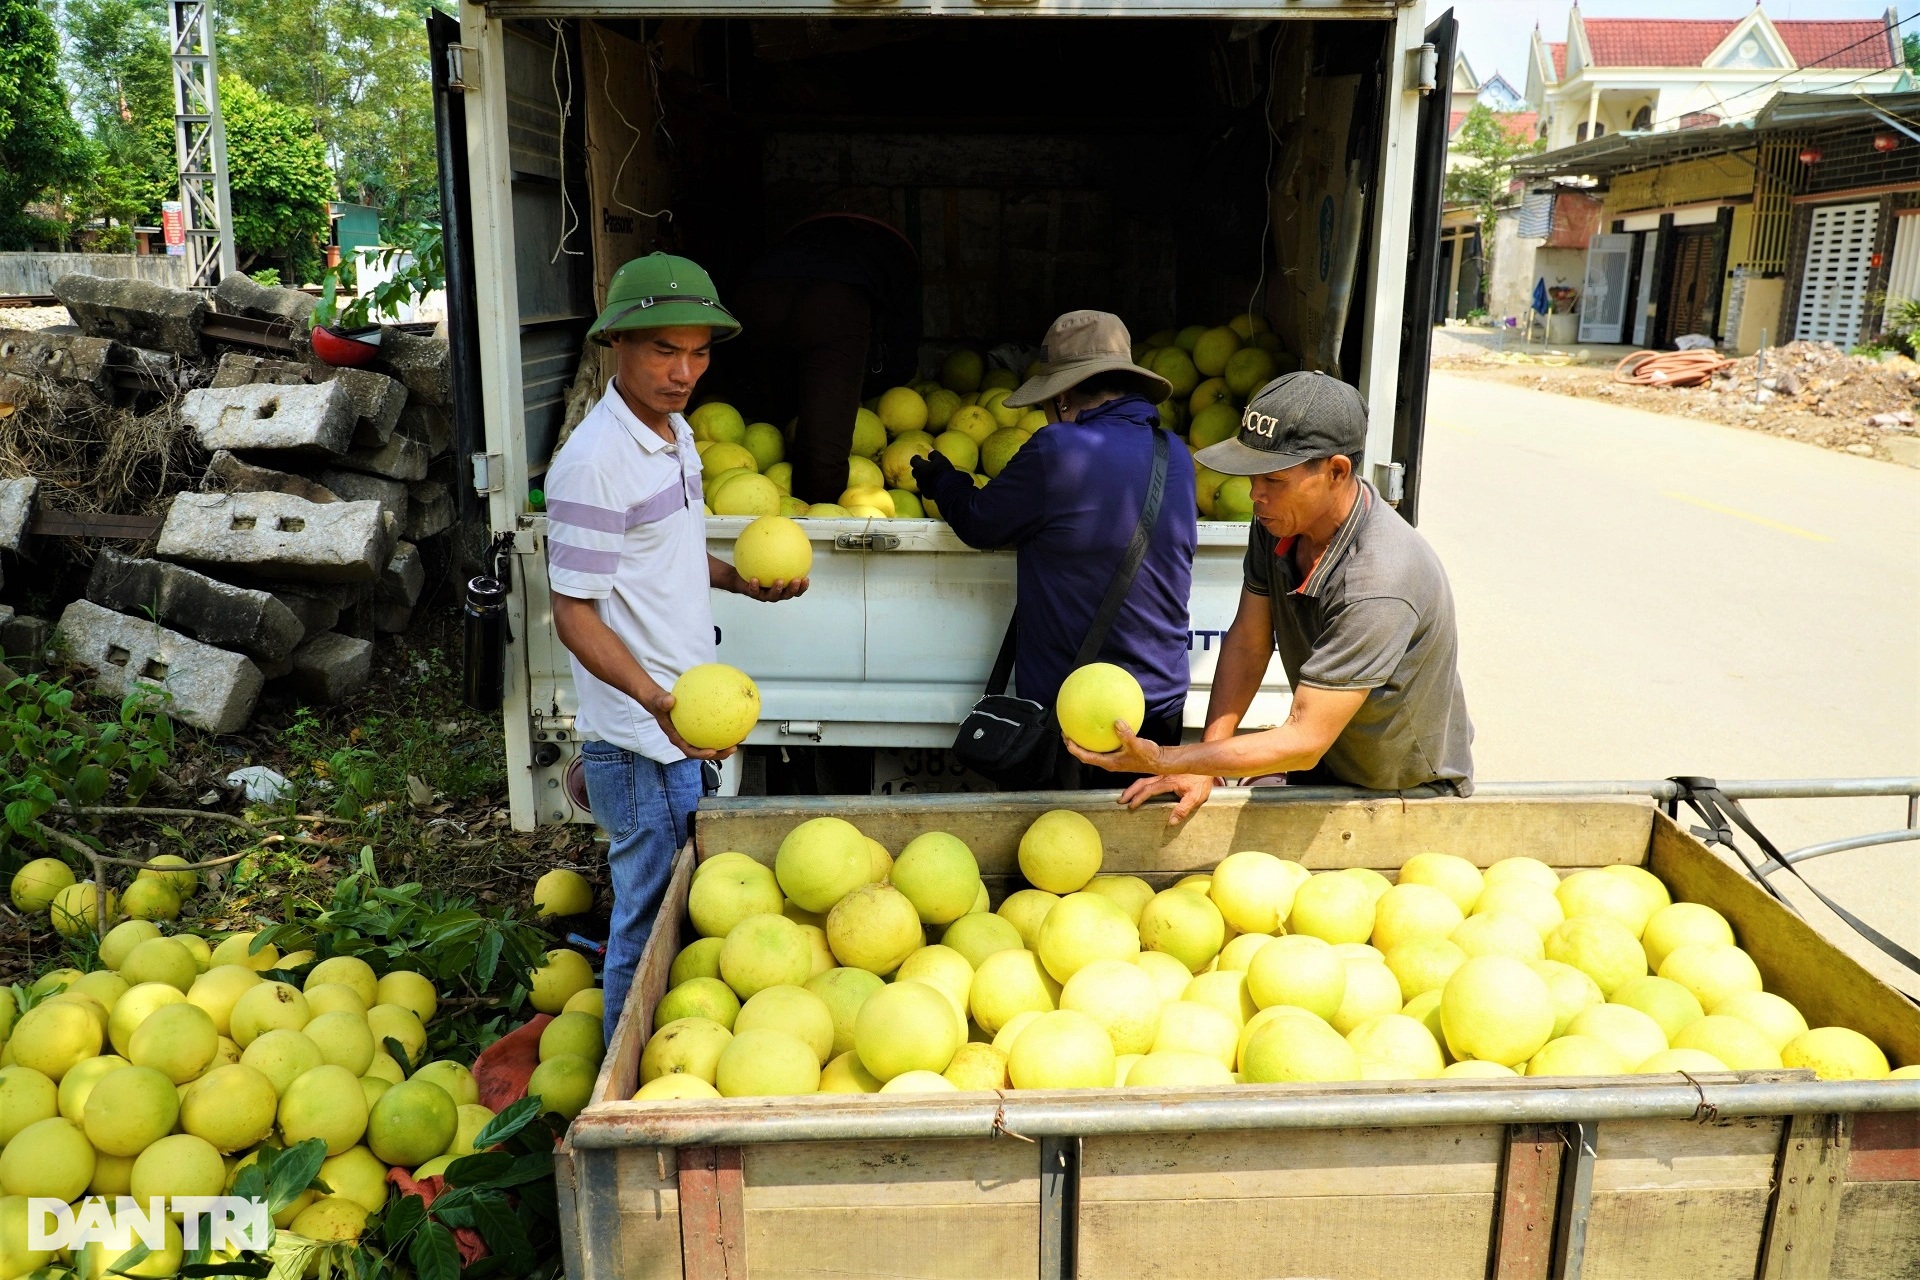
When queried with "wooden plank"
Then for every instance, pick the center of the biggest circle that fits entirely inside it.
(620, 1070)
(1675, 1155)
(1804, 1217)
(828, 1175)
(649, 1204)
(712, 1239)
(1213, 1167)
(1529, 1183)
(1879, 1233)
(1828, 986)
(49, 523)
(1885, 1147)
(1695, 1234)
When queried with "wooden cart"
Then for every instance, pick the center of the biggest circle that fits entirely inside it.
(1751, 1174)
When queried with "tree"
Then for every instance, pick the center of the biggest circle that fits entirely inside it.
(1480, 170)
(1910, 51)
(40, 145)
(281, 182)
(122, 91)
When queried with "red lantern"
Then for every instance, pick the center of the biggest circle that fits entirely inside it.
(1884, 142)
(1809, 155)
(1873, 260)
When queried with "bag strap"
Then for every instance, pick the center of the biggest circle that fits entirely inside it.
(1136, 552)
(1003, 664)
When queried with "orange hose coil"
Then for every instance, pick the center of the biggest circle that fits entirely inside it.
(1670, 368)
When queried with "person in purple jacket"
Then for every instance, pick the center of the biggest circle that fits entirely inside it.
(1068, 503)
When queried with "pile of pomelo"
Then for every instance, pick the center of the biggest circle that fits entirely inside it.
(841, 969)
(1213, 370)
(166, 1065)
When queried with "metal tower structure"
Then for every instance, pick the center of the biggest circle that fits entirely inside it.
(200, 142)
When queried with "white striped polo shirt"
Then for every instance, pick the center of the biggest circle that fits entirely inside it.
(625, 530)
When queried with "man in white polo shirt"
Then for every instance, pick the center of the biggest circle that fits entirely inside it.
(627, 559)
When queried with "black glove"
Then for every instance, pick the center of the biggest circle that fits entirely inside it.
(928, 470)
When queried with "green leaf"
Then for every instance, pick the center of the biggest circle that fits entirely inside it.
(398, 1052)
(500, 1227)
(434, 1254)
(294, 1169)
(516, 1117)
(480, 1169)
(126, 1262)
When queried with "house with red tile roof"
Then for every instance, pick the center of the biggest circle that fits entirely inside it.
(1649, 75)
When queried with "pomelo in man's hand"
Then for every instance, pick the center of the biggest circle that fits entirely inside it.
(773, 549)
(715, 706)
(1093, 698)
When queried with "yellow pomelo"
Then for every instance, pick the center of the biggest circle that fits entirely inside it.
(1905, 1073)
(995, 402)
(53, 980)
(1375, 883)
(459, 1082)
(717, 420)
(1122, 998)
(939, 875)
(160, 960)
(773, 549)
(979, 934)
(1372, 992)
(768, 1063)
(76, 909)
(1599, 946)
(1213, 348)
(698, 959)
(1495, 1007)
(765, 951)
(1081, 928)
(1453, 876)
(795, 1010)
(1633, 1035)
(35, 884)
(679, 1088)
(1004, 1038)
(1742, 1046)
(764, 441)
(1311, 978)
(331, 1218)
(1474, 1068)
(1767, 1013)
(1240, 951)
(976, 1068)
(1521, 870)
(1649, 885)
(742, 493)
(1297, 1049)
(99, 1260)
(232, 1107)
(1060, 852)
(173, 869)
(15, 1258)
(282, 1057)
(698, 998)
(1424, 964)
(1408, 911)
(151, 900)
(1712, 971)
(344, 1038)
(1595, 893)
(998, 449)
(1836, 1053)
(1186, 1026)
(896, 460)
(1254, 890)
(845, 1074)
(959, 449)
(1093, 698)
(564, 974)
(1225, 990)
(1499, 933)
(726, 891)
(50, 1158)
(723, 457)
(120, 941)
(902, 409)
(1396, 1047)
(178, 1165)
(1172, 1068)
(1572, 991)
(1027, 909)
(1009, 983)
(559, 892)
(74, 1086)
(1184, 924)
(882, 865)
(1170, 976)
(133, 1008)
(1665, 1001)
(943, 969)
(95, 1010)
(1259, 1021)
(326, 1103)
(715, 706)
(1538, 907)
(1217, 422)
(1130, 893)
(1692, 1061)
(869, 436)
(1333, 907)
(415, 1120)
(238, 949)
(1577, 1055)
(104, 986)
(821, 861)
(863, 475)
(689, 1046)
(178, 1041)
(394, 1022)
(906, 1026)
(844, 990)
(268, 1006)
(919, 1082)
(1683, 924)
(1425, 1010)
(1064, 1049)
(129, 1108)
(55, 1037)
(219, 989)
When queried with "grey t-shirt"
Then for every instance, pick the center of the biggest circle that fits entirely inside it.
(1375, 614)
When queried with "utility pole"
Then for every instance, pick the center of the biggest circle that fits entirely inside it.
(200, 143)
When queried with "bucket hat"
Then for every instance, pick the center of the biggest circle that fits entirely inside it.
(661, 291)
(1293, 419)
(1079, 345)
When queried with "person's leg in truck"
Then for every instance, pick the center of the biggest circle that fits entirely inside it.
(807, 343)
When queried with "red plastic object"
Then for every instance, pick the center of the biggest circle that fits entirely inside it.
(352, 350)
(470, 1243)
(504, 1067)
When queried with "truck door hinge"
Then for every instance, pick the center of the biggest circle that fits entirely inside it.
(1390, 478)
(866, 542)
(1423, 69)
(489, 473)
(461, 61)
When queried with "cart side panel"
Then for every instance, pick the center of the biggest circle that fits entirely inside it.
(627, 1211)
(1347, 1202)
(1828, 986)
(1680, 1198)
(1879, 1220)
(911, 1211)
(620, 1072)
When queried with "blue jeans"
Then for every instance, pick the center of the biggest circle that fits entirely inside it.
(646, 809)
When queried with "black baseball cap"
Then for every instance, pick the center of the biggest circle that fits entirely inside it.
(1293, 419)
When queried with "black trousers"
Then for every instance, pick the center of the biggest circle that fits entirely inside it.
(804, 347)
(1071, 775)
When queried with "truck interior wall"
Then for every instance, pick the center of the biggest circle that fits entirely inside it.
(1170, 170)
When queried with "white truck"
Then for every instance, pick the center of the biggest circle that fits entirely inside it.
(1171, 162)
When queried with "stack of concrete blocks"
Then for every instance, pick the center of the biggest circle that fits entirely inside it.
(302, 543)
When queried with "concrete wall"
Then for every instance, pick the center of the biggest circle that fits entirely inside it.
(1511, 286)
(34, 273)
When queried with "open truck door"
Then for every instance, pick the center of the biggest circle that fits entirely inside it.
(1423, 267)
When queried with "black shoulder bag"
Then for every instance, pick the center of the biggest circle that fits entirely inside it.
(1016, 741)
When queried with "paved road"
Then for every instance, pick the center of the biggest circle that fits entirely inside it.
(1643, 595)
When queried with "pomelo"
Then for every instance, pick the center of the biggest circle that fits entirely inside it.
(717, 420)
(1248, 369)
(764, 441)
(698, 998)
(1571, 989)
(906, 1026)
(358, 976)
(998, 449)
(1332, 907)
(1599, 946)
(358, 1175)
(1255, 890)
(979, 934)
(1298, 1049)
(943, 969)
(130, 1109)
(725, 893)
(1683, 924)
(1211, 425)
(1176, 1069)
(103, 985)
(1767, 1013)
(1130, 893)
(1499, 933)
(160, 960)
(1425, 1010)
(685, 1045)
(35, 885)
(962, 370)
(151, 900)
(897, 459)
(1007, 984)
(1665, 1001)
(282, 1057)
(795, 1010)
(845, 1074)
(564, 974)
(50, 1158)
(1184, 924)
(821, 861)
(1081, 928)
(15, 1258)
(976, 1068)
(1396, 1047)
(331, 1219)
(1093, 698)
(1311, 978)
(844, 990)
(1060, 851)
(1225, 990)
(1176, 366)
(415, 1120)
(1409, 910)
(77, 909)
(1577, 1055)
(1834, 1053)
(1649, 886)
(395, 1022)
(919, 1082)
(54, 1037)
(676, 1088)
(1121, 997)
(1475, 1069)
(1712, 971)
(268, 1006)
(715, 706)
(1538, 907)
(233, 1107)
(559, 892)
(1688, 1060)
(219, 989)
(1520, 869)
(73, 1087)
(345, 1039)
(769, 1063)
(1187, 1026)
(1593, 892)
(1240, 951)
(120, 941)
(1452, 875)
(1372, 992)
(1633, 1035)
(938, 874)
(326, 1103)
(1004, 1038)
(465, 1091)
(1063, 1049)
(98, 1260)
(1742, 1046)
(765, 951)
(1026, 910)
(238, 949)
(1424, 964)
(698, 959)
(874, 928)
(1495, 1007)
(773, 549)
(131, 1009)
(178, 1040)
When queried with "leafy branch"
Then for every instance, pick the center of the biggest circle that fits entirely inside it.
(423, 271)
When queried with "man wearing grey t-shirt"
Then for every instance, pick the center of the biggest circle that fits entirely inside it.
(1355, 601)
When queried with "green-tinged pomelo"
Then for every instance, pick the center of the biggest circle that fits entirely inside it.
(356, 974)
(174, 871)
(869, 435)
(976, 1068)
(1332, 907)
(1121, 997)
(1691, 1061)
(821, 861)
(1176, 366)
(792, 1009)
(1767, 1013)
(325, 1103)
(151, 900)
(715, 706)
(1372, 992)
(282, 1056)
(1739, 1044)
(1499, 933)
(50, 1158)
(1599, 946)
(129, 1109)
(1007, 984)
(1496, 1008)
(238, 949)
(1683, 924)
(344, 1038)
(472, 1120)
(1538, 907)
(725, 893)
(358, 1175)
(1026, 910)
(1297, 1049)
(1593, 892)
(178, 1040)
(1254, 890)
(1184, 924)
(98, 1260)
(845, 1074)
(392, 1022)
(1454, 876)
(1084, 927)
(689, 1045)
(1412, 910)
(104, 986)
(35, 884)
(459, 1082)
(1311, 978)
(26, 1097)
(1714, 972)
(564, 974)
(219, 989)
(1211, 425)
(844, 990)
(383, 1067)
(1633, 1035)
(979, 934)
(52, 981)
(415, 1120)
(962, 370)
(1063, 1049)
(563, 1084)
(717, 420)
(159, 960)
(578, 1034)
(1577, 1055)
(1060, 851)
(959, 449)
(707, 998)
(76, 909)
(764, 441)
(1190, 1027)
(769, 1063)
(874, 927)
(998, 449)
(232, 1107)
(698, 959)
(1424, 964)
(1093, 699)
(765, 951)
(373, 1087)
(1571, 989)
(119, 941)
(906, 1026)
(331, 1219)
(269, 1006)
(1665, 1001)
(1396, 1047)
(773, 549)
(938, 874)
(1213, 349)
(54, 1037)
(1248, 369)
(1836, 1053)
(133, 1008)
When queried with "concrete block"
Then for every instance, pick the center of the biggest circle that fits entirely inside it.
(331, 666)
(274, 669)
(239, 370)
(377, 403)
(310, 419)
(391, 618)
(16, 511)
(358, 486)
(24, 637)
(208, 688)
(64, 357)
(139, 313)
(316, 613)
(277, 535)
(404, 578)
(226, 473)
(400, 458)
(423, 363)
(430, 509)
(209, 610)
(240, 296)
(431, 426)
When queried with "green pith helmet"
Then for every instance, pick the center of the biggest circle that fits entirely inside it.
(660, 291)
